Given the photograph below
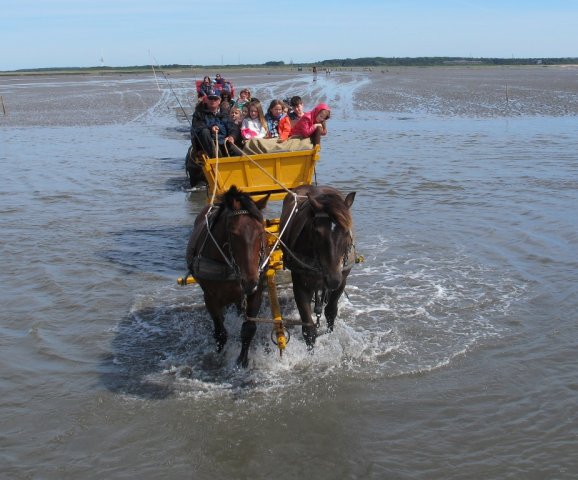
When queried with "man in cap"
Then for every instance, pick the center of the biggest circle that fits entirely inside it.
(208, 123)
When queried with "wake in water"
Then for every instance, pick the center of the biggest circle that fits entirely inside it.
(402, 316)
(338, 94)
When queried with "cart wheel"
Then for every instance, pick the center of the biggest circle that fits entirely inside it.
(194, 170)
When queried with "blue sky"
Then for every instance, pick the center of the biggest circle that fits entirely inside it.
(77, 33)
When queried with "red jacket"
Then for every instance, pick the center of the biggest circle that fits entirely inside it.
(304, 128)
(284, 128)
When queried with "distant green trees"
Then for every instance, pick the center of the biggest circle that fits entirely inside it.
(432, 61)
(364, 62)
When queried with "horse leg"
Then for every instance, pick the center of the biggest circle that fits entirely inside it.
(220, 332)
(249, 327)
(303, 297)
(247, 333)
(331, 307)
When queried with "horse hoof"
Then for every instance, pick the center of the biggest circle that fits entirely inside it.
(221, 341)
(221, 345)
(243, 361)
(310, 339)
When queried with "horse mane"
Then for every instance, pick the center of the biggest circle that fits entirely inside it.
(234, 195)
(334, 205)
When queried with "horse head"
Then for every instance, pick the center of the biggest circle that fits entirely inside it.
(332, 233)
(246, 240)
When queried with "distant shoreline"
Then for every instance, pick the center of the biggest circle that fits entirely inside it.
(372, 63)
(268, 70)
(135, 70)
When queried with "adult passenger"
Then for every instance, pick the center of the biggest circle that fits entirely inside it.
(208, 123)
(206, 87)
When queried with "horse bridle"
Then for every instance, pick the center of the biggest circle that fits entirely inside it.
(314, 265)
(346, 254)
(321, 296)
(231, 260)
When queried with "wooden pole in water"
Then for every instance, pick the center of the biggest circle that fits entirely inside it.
(3, 107)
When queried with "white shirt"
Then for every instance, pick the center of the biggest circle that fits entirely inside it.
(254, 126)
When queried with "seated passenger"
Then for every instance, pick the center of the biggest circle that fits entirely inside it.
(208, 123)
(235, 117)
(227, 87)
(254, 124)
(287, 123)
(244, 98)
(312, 124)
(226, 103)
(219, 80)
(206, 87)
(296, 104)
(273, 117)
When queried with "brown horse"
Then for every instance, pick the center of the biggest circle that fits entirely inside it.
(317, 244)
(225, 254)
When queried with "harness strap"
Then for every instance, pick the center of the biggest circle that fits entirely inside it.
(308, 264)
(321, 298)
(212, 237)
(238, 212)
(209, 269)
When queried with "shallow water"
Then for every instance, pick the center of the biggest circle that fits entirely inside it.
(454, 351)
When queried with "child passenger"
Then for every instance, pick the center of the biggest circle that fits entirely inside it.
(244, 98)
(312, 124)
(235, 115)
(273, 117)
(287, 123)
(226, 103)
(254, 124)
(236, 118)
(296, 109)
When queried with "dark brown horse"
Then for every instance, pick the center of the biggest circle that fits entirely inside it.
(318, 248)
(225, 254)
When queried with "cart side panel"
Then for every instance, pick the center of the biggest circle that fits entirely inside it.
(262, 174)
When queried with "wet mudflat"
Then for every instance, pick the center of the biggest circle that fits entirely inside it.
(453, 354)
